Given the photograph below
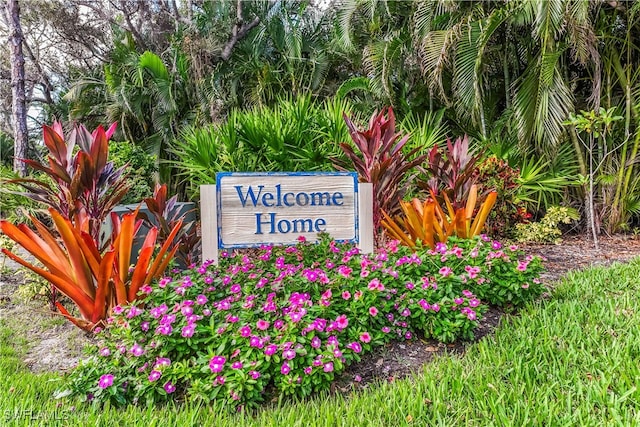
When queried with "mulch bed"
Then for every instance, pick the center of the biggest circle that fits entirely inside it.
(395, 360)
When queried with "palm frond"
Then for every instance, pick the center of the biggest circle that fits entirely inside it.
(542, 101)
(352, 84)
(345, 15)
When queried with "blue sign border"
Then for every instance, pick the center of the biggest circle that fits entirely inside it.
(221, 175)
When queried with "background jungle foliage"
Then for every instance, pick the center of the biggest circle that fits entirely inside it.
(548, 90)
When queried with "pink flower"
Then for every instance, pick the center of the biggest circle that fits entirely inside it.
(365, 337)
(441, 247)
(357, 295)
(472, 271)
(458, 301)
(445, 271)
(471, 315)
(162, 362)
(375, 285)
(474, 302)
(308, 370)
(158, 311)
(525, 286)
(245, 331)
(236, 365)
(216, 364)
(315, 342)
(104, 351)
(496, 245)
(105, 381)
(357, 378)
(373, 311)
(344, 271)
(256, 342)
(201, 299)
(154, 375)
(296, 316)
(187, 331)
(285, 368)
(522, 266)
(262, 324)
(235, 289)
(435, 307)
(328, 367)
(355, 346)
(386, 329)
(254, 374)
(137, 350)
(342, 322)
(289, 354)
(169, 387)
(346, 295)
(271, 350)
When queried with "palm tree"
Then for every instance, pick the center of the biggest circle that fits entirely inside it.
(469, 52)
(152, 102)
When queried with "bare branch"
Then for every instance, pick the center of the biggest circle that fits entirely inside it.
(240, 29)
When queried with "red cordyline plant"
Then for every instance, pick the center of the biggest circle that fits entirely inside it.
(83, 187)
(166, 213)
(450, 209)
(379, 159)
(95, 282)
(453, 172)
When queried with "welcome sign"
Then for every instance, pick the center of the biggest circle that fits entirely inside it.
(252, 209)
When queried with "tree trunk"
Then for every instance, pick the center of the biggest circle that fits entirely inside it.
(19, 103)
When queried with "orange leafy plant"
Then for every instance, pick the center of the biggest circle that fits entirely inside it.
(73, 263)
(427, 222)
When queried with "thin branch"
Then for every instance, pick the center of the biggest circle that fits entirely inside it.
(240, 29)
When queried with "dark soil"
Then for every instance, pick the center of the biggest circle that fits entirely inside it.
(56, 346)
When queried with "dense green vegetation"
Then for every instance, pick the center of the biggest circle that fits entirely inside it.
(525, 79)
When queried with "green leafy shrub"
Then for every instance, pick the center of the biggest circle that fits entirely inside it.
(141, 170)
(286, 321)
(546, 230)
(295, 135)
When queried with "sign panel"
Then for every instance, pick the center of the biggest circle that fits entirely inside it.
(277, 208)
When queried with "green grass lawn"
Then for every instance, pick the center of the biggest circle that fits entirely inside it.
(572, 360)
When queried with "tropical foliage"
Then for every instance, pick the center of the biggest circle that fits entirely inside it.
(379, 159)
(74, 265)
(295, 135)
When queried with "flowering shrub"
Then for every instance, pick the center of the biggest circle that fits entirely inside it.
(285, 321)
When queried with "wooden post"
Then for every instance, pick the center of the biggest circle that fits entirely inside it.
(365, 217)
(209, 223)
